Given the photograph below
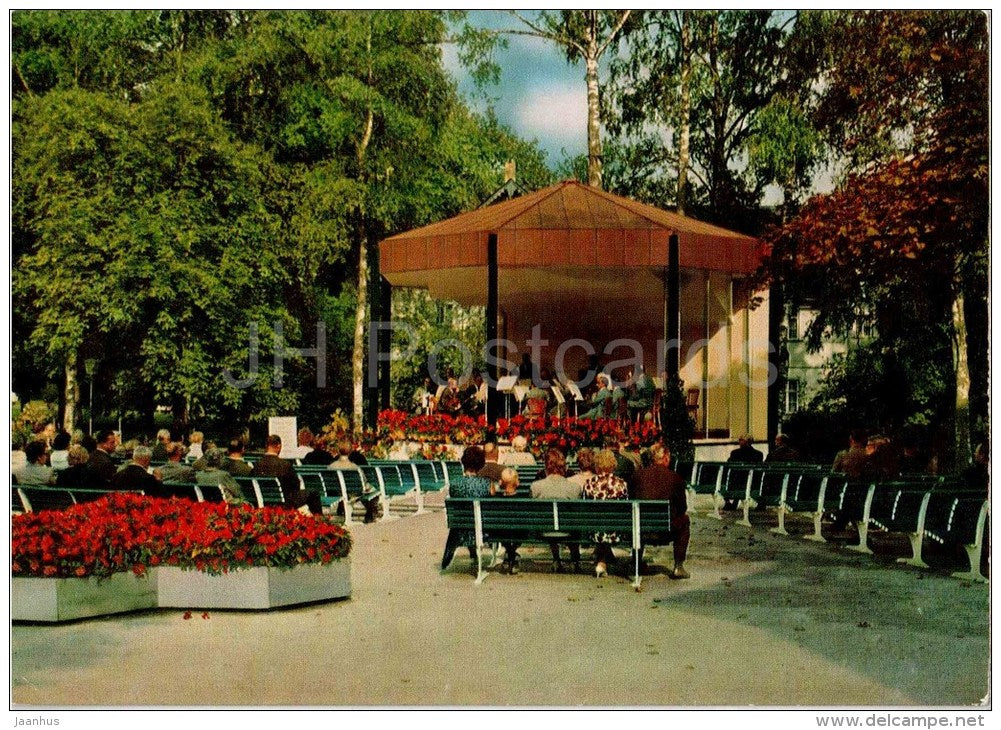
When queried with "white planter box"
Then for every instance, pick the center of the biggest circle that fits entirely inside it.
(254, 588)
(65, 599)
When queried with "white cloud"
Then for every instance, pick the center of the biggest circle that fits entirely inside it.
(555, 115)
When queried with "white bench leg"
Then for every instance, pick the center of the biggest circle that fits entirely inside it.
(973, 554)
(863, 539)
(916, 539)
(816, 536)
(781, 529)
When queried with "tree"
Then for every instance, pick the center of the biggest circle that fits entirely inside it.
(689, 93)
(904, 237)
(584, 35)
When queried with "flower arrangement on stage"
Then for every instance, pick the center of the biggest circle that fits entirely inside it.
(126, 531)
(568, 434)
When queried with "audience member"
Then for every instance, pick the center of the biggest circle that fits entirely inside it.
(977, 475)
(852, 461)
(508, 487)
(344, 461)
(58, 458)
(745, 453)
(304, 443)
(233, 463)
(136, 475)
(319, 455)
(625, 466)
(35, 472)
(783, 451)
(585, 467)
(604, 485)
(100, 463)
(555, 485)
(195, 446)
(519, 454)
(659, 481)
(491, 469)
(76, 474)
(881, 461)
(469, 485)
(162, 442)
(271, 465)
(213, 475)
(18, 459)
(174, 470)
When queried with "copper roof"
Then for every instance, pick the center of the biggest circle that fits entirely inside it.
(568, 224)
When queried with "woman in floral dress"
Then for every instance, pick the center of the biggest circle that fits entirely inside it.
(604, 485)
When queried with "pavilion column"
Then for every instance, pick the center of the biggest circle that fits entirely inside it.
(672, 308)
(776, 316)
(493, 401)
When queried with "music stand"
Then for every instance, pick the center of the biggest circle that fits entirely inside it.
(505, 385)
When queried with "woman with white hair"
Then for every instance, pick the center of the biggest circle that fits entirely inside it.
(519, 455)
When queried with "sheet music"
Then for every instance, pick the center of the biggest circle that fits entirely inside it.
(520, 391)
(559, 396)
(575, 391)
(507, 383)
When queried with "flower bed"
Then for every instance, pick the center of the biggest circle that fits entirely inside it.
(568, 434)
(130, 532)
(95, 555)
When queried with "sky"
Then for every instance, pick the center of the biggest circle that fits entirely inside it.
(540, 95)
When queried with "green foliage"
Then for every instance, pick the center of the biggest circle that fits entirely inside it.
(181, 176)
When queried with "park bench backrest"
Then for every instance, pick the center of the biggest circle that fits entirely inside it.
(37, 499)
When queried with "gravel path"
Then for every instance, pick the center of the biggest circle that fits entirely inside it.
(765, 620)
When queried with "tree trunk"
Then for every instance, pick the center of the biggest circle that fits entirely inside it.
(959, 345)
(358, 353)
(685, 113)
(594, 152)
(70, 394)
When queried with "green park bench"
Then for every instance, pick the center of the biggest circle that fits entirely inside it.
(545, 520)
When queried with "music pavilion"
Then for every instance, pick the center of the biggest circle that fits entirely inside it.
(581, 264)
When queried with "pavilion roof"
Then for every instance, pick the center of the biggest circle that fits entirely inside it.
(568, 224)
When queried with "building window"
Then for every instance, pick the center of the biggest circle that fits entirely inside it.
(793, 325)
(793, 388)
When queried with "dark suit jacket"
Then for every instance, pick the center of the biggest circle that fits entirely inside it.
(237, 467)
(134, 476)
(270, 465)
(659, 482)
(746, 454)
(102, 468)
(79, 476)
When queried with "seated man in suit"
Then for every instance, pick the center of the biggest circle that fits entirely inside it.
(658, 481)
(234, 463)
(174, 470)
(271, 465)
(136, 474)
(100, 463)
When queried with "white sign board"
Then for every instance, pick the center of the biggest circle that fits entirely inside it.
(285, 428)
